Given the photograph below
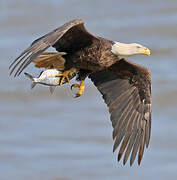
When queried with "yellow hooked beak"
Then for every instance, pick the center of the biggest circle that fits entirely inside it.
(145, 50)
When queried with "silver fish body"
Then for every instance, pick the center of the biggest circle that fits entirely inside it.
(47, 77)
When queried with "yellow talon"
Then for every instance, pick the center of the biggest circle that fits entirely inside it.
(81, 87)
(64, 76)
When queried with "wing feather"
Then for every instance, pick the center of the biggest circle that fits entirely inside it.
(50, 60)
(129, 147)
(135, 146)
(126, 89)
(130, 127)
(70, 36)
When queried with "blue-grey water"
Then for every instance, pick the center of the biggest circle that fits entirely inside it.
(44, 137)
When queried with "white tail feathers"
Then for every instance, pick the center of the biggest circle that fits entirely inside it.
(33, 84)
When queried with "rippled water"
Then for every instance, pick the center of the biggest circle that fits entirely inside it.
(61, 138)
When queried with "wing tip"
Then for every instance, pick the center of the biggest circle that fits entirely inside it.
(124, 161)
(139, 159)
(114, 148)
(119, 156)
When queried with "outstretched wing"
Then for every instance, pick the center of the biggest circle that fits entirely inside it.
(126, 89)
(67, 38)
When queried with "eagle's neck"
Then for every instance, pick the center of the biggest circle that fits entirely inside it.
(119, 50)
(123, 50)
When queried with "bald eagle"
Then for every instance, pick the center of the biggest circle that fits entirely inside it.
(124, 85)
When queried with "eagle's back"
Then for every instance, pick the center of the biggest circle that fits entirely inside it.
(94, 57)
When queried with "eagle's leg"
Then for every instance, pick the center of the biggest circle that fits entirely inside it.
(64, 77)
(82, 75)
(81, 87)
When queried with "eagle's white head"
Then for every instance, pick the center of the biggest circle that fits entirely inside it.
(126, 50)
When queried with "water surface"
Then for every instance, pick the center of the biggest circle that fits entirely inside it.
(61, 138)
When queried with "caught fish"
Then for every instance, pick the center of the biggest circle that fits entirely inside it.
(47, 77)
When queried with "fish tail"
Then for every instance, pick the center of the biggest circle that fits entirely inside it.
(52, 88)
(33, 84)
